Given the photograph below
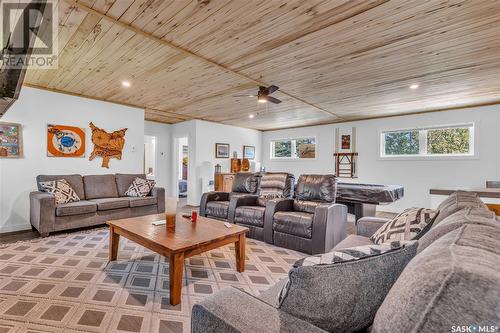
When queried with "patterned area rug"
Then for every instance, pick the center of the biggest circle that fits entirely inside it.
(64, 283)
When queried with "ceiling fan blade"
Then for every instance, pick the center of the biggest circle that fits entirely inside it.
(271, 89)
(273, 100)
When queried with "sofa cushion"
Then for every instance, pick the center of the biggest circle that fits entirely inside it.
(453, 282)
(217, 209)
(353, 241)
(344, 297)
(245, 182)
(111, 203)
(273, 186)
(75, 181)
(61, 190)
(140, 187)
(457, 201)
(407, 225)
(100, 186)
(76, 208)
(470, 215)
(316, 188)
(251, 215)
(142, 201)
(293, 223)
(123, 181)
(272, 295)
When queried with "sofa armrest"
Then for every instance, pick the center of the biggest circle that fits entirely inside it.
(273, 206)
(211, 196)
(235, 202)
(366, 226)
(232, 310)
(159, 193)
(42, 212)
(329, 227)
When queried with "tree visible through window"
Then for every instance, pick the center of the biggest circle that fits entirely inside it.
(283, 148)
(456, 140)
(294, 148)
(402, 143)
(448, 141)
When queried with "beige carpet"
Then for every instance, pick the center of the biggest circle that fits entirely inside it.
(65, 284)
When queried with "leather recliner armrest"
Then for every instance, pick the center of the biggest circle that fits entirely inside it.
(211, 196)
(273, 206)
(235, 202)
(329, 227)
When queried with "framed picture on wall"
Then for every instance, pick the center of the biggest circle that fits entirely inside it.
(222, 150)
(249, 152)
(10, 140)
(65, 141)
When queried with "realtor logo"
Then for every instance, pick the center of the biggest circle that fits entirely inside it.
(28, 34)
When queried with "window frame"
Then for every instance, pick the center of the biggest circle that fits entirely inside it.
(423, 155)
(293, 149)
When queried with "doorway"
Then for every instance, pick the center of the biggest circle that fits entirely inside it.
(150, 156)
(182, 174)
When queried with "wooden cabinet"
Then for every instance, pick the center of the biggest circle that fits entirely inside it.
(223, 182)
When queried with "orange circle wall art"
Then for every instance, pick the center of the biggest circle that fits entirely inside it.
(65, 141)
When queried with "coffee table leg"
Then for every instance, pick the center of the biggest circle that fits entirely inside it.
(240, 253)
(175, 268)
(114, 241)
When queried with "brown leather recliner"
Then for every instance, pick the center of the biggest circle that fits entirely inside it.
(216, 204)
(251, 211)
(312, 222)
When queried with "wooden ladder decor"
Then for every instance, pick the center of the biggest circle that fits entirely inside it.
(345, 164)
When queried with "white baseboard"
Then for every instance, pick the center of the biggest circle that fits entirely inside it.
(15, 227)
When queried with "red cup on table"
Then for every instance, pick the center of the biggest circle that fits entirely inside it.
(194, 216)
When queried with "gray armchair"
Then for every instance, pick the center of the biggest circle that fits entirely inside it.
(216, 204)
(250, 212)
(313, 222)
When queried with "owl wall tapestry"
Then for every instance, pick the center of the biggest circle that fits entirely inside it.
(65, 141)
(107, 145)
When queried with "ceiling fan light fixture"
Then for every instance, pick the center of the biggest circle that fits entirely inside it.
(262, 99)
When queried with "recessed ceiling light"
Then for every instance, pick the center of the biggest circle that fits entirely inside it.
(414, 86)
(126, 84)
(251, 116)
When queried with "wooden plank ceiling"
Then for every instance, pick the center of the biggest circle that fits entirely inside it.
(334, 60)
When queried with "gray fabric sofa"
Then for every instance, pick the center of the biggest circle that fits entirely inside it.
(102, 198)
(452, 281)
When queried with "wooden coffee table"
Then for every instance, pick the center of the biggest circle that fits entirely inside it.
(188, 239)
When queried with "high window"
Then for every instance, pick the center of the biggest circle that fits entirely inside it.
(455, 140)
(300, 148)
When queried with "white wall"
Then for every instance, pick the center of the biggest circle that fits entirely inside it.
(37, 108)
(163, 168)
(416, 175)
(207, 134)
